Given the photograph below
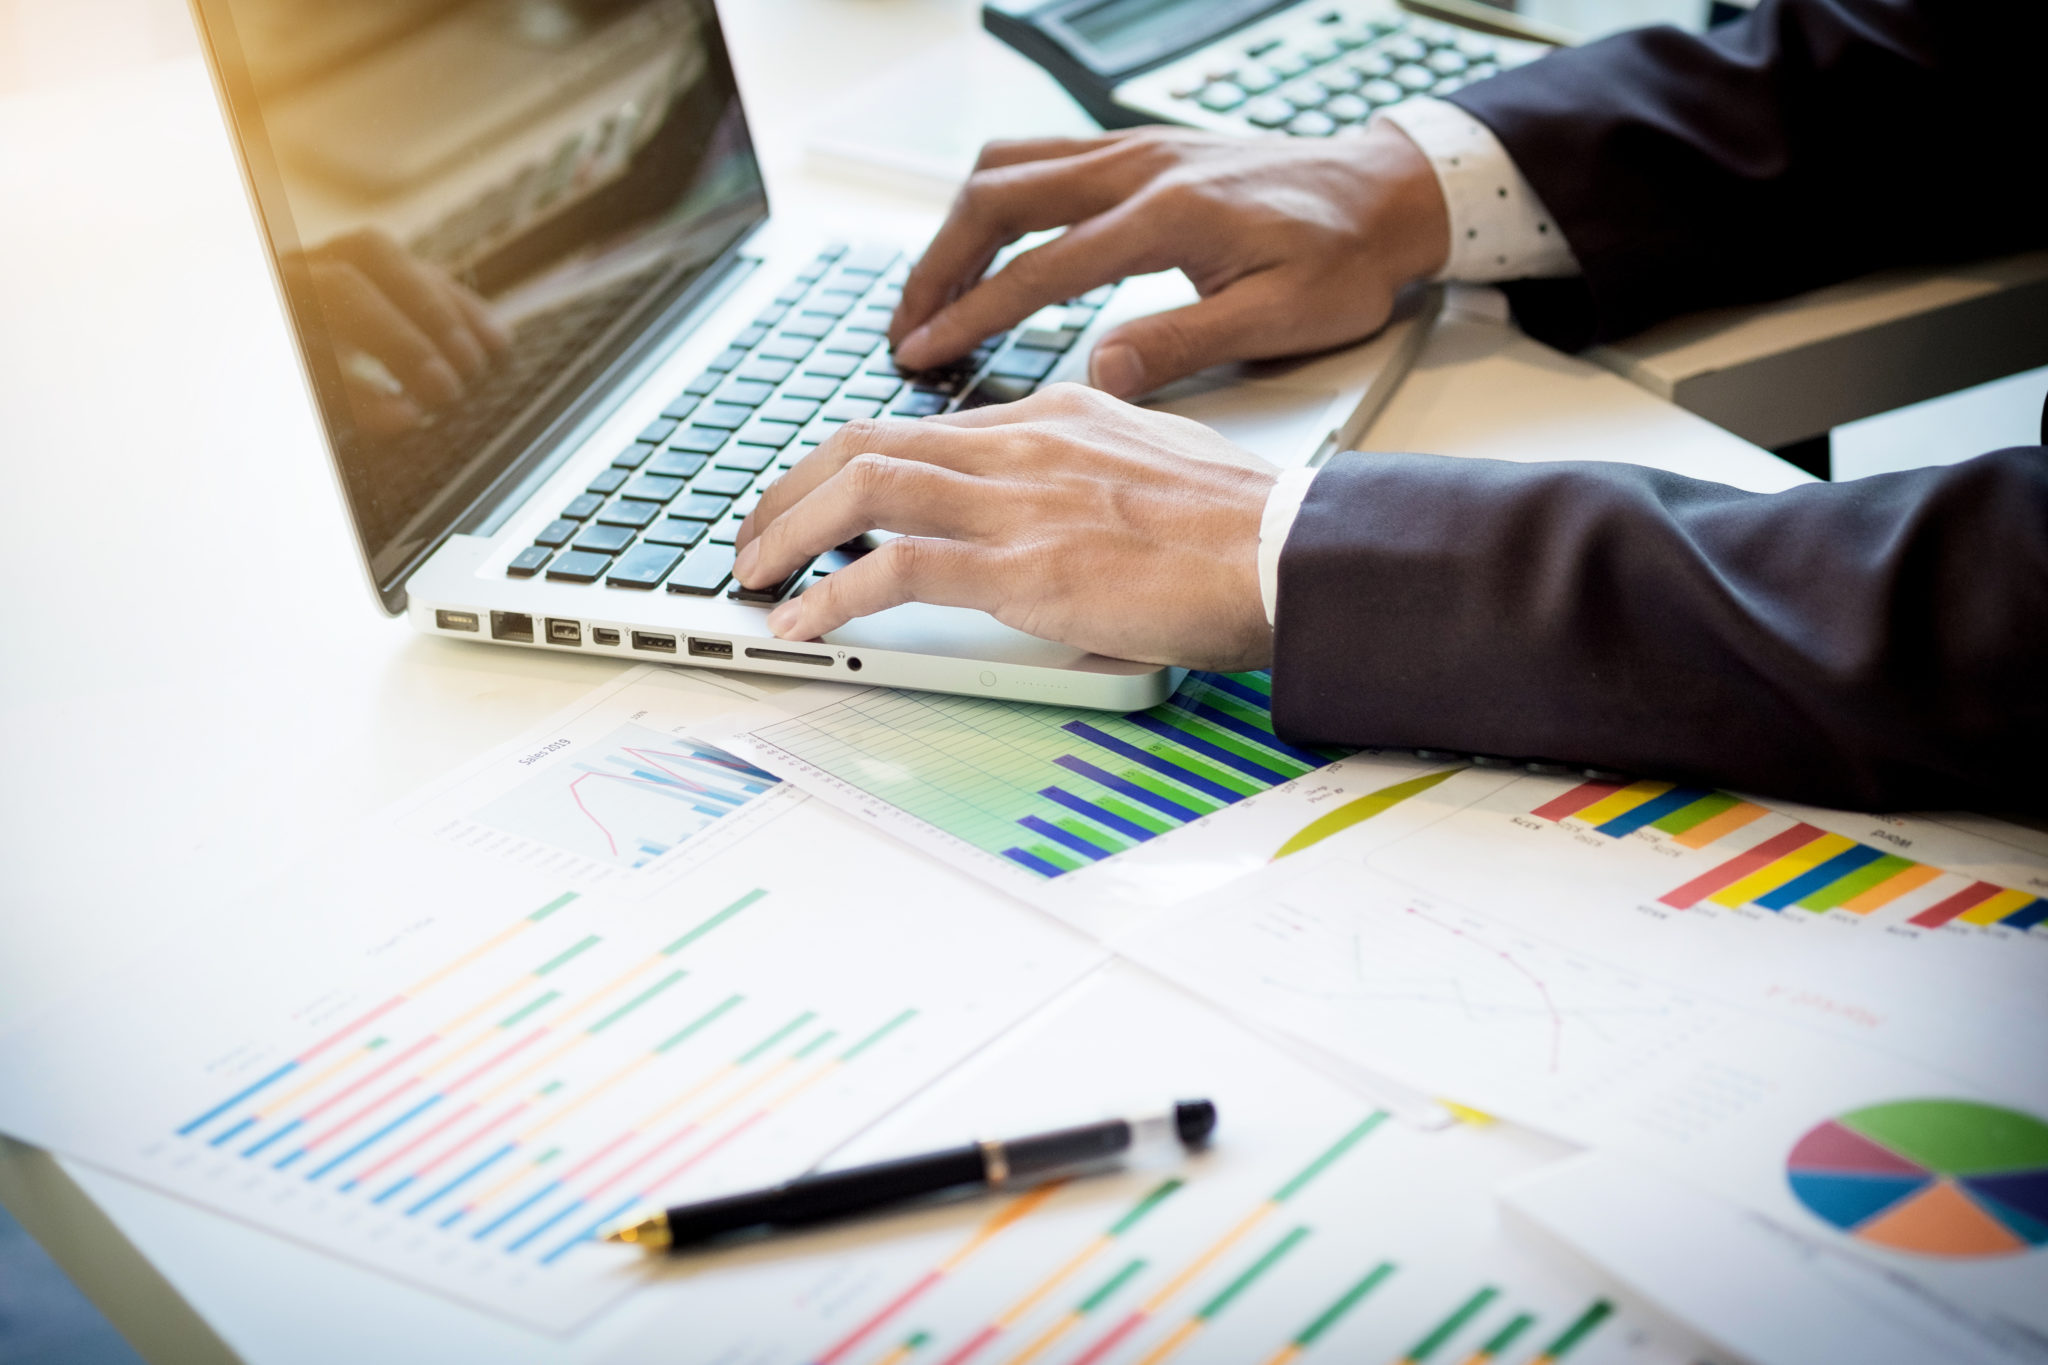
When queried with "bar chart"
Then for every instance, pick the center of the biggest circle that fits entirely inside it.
(1793, 865)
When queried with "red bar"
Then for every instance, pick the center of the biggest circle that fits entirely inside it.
(1740, 866)
(331, 1039)
(973, 1347)
(1576, 800)
(400, 1060)
(486, 1066)
(1974, 894)
(1113, 1340)
(889, 1310)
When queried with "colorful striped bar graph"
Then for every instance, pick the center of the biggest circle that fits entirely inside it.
(1799, 867)
(1331, 1316)
(1223, 1298)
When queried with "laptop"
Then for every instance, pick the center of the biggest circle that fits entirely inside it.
(559, 348)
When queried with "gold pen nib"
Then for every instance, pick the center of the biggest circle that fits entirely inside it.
(648, 1233)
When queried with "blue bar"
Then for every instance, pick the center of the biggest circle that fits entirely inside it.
(1651, 811)
(1175, 735)
(1813, 879)
(1173, 810)
(1034, 863)
(393, 1190)
(280, 1165)
(1096, 813)
(580, 1238)
(566, 1210)
(1217, 716)
(1158, 765)
(2028, 915)
(521, 1207)
(210, 1115)
(1238, 690)
(407, 1117)
(293, 1126)
(457, 1181)
(1058, 835)
(231, 1133)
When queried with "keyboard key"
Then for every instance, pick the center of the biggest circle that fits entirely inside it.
(869, 260)
(770, 316)
(749, 339)
(833, 364)
(829, 304)
(680, 406)
(1340, 80)
(765, 371)
(1414, 79)
(762, 432)
(527, 562)
(677, 531)
(916, 404)
(703, 384)
(847, 409)
(582, 505)
(644, 567)
(1304, 94)
(657, 431)
(791, 292)
(1220, 97)
(704, 573)
(773, 592)
(1347, 109)
(1016, 364)
(747, 503)
(1270, 112)
(784, 347)
(742, 393)
(695, 506)
(1096, 297)
(578, 566)
(1406, 48)
(724, 482)
(700, 440)
(861, 344)
(807, 325)
(1256, 78)
(815, 387)
(731, 416)
(676, 464)
(1446, 63)
(605, 540)
(1059, 339)
(607, 481)
(727, 532)
(875, 387)
(870, 319)
(752, 459)
(996, 389)
(818, 431)
(1382, 92)
(727, 360)
(629, 513)
(632, 457)
(798, 410)
(1314, 123)
(556, 533)
(654, 488)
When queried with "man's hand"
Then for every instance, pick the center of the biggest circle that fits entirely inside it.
(1069, 515)
(1294, 245)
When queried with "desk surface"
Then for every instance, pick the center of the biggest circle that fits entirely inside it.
(207, 720)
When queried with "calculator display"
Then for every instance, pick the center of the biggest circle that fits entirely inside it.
(1116, 24)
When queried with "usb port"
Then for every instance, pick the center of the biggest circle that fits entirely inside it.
(564, 632)
(455, 620)
(512, 625)
(711, 649)
(603, 635)
(665, 644)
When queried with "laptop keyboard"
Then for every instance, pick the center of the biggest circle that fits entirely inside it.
(666, 513)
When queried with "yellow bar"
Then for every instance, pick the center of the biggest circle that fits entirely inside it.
(288, 1096)
(988, 1231)
(1727, 822)
(459, 1020)
(1995, 909)
(1045, 1339)
(1016, 1311)
(1207, 1258)
(1180, 1338)
(1621, 802)
(1771, 876)
(606, 1084)
(1286, 1355)
(1890, 889)
(1479, 1358)
(414, 991)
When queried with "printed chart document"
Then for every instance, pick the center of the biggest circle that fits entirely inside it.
(1097, 817)
(471, 1034)
(1313, 1228)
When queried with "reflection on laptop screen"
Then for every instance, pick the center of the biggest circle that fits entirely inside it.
(476, 206)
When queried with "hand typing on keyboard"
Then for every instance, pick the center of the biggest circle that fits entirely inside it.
(1295, 246)
(1069, 515)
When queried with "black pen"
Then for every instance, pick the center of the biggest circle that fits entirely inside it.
(989, 1165)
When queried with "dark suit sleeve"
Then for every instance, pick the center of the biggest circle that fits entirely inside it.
(1875, 644)
(1810, 142)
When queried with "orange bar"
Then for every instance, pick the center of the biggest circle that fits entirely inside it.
(1885, 892)
(1727, 822)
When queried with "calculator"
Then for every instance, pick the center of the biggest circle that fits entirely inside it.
(1297, 69)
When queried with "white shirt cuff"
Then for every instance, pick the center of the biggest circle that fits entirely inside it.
(1499, 228)
(1283, 504)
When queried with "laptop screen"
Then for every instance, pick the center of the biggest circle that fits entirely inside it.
(476, 208)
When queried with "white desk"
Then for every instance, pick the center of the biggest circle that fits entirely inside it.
(171, 738)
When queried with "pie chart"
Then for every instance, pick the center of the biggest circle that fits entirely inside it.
(1949, 1178)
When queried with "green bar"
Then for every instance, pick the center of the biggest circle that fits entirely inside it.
(1856, 883)
(528, 1008)
(878, 1035)
(1448, 1328)
(1200, 805)
(375, 1043)
(1578, 1331)
(772, 1039)
(1133, 814)
(703, 1019)
(1063, 861)
(1145, 1206)
(549, 966)
(636, 1002)
(1257, 682)
(1108, 1288)
(1520, 1322)
(1330, 1316)
(1101, 838)
(1201, 729)
(1698, 813)
(557, 903)
(1250, 715)
(1181, 758)
(914, 1341)
(1252, 1272)
(708, 925)
(550, 1088)
(549, 1155)
(1322, 1163)
(808, 1048)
